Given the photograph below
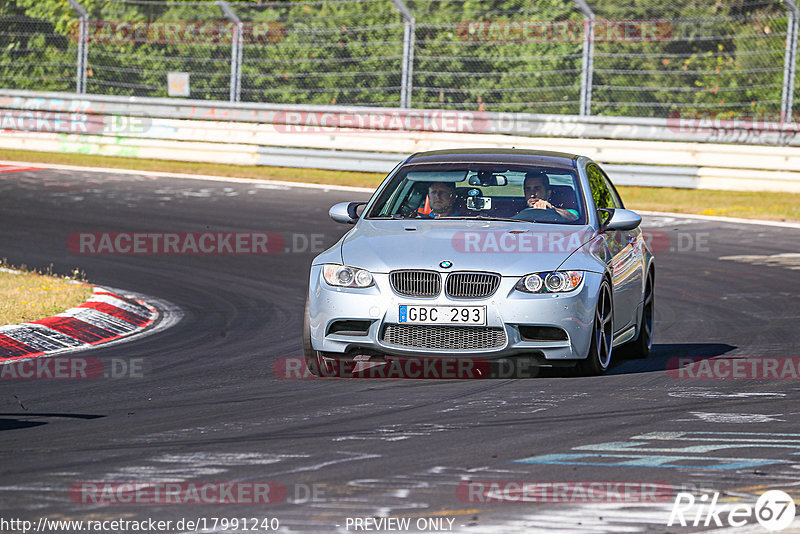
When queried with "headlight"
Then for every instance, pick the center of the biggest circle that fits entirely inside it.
(344, 276)
(556, 282)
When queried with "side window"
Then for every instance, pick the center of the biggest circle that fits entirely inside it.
(613, 190)
(601, 194)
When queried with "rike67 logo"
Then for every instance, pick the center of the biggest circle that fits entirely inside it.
(774, 510)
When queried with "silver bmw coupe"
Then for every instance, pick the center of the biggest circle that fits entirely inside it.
(484, 253)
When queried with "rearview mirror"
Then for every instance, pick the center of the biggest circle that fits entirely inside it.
(345, 212)
(621, 219)
(486, 179)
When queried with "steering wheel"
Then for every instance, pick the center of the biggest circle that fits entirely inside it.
(407, 214)
(536, 214)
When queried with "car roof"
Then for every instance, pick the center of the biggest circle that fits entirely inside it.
(496, 155)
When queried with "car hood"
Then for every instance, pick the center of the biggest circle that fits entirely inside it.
(510, 248)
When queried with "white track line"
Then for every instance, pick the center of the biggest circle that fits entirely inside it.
(158, 174)
(732, 220)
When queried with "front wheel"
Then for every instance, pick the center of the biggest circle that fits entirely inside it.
(315, 363)
(643, 345)
(599, 357)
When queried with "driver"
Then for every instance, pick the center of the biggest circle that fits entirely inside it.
(537, 194)
(442, 198)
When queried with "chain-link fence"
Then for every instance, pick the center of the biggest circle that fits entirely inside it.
(729, 59)
(587, 57)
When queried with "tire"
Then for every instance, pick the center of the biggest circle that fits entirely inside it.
(315, 363)
(599, 357)
(642, 346)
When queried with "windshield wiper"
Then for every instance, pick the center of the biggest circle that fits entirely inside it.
(483, 218)
(490, 218)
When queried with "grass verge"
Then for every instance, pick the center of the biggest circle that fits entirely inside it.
(744, 204)
(30, 295)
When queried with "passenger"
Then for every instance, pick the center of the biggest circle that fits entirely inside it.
(538, 192)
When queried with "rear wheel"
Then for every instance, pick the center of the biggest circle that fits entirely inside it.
(314, 361)
(599, 357)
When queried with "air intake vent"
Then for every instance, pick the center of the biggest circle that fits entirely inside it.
(444, 337)
(542, 333)
(350, 328)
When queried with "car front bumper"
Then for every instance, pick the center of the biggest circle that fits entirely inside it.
(506, 309)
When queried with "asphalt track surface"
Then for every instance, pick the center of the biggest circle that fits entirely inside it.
(209, 407)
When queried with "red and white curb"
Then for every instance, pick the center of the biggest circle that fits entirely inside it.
(4, 169)
(105, 317)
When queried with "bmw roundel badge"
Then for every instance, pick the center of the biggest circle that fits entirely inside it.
(446, 264)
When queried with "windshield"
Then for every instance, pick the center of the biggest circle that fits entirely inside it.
(482, 191)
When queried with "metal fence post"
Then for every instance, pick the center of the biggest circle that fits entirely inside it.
(83, 46)
(587, 65)
(236, 50)
(239, 51)
(409, 32)
(789, 61)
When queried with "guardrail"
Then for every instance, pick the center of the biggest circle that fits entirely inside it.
(690, 127)
(374, 139)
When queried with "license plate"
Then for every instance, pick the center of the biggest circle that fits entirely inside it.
(473, 315)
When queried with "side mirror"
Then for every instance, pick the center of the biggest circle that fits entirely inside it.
(622, 220)
(345, 212)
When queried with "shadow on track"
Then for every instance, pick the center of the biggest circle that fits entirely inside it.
(17, 421)
(664, 357)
